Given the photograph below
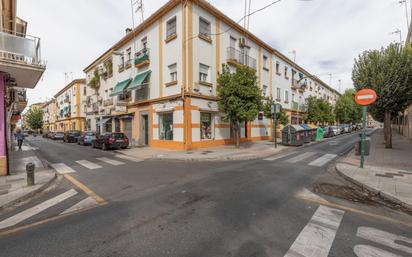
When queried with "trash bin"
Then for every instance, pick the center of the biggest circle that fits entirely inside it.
(293, 135)
(308, 133)
(319, 133)
(367, 146)
(314, 131)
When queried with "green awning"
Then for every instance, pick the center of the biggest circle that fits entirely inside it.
(120, 86)
(139, 79)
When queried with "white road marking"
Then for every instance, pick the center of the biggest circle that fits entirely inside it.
(301, 157)
(21, 216)
(110, 161)
(62, 168)
(360, 97)
(370, 251)
(85, 203)
(129, 158)
(384, 238)
(89, 165)
(319, 162)
(316, 238)
(272, 158)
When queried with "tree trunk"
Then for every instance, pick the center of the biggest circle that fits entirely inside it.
(237, 135)
(388, 130)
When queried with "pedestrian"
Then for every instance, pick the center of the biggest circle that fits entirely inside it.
(19, 137)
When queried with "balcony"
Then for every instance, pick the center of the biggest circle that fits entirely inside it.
(142, 58)
(301, 86)
(236, 57)
(295, 106)
(20, 58)
(143, 93)
(108, 102)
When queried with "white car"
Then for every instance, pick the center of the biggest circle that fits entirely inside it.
(335, 130)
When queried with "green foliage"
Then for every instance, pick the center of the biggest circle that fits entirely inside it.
(388, 71)
(319, 111)
(346, 110)
(282, 117)
(239, 97)
(95, 81)
(34, 118)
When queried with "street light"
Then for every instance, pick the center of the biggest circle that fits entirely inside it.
(398, 31)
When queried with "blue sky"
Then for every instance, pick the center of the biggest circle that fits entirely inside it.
(326, 34)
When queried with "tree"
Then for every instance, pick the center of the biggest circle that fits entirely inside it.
(319, 111)
(388, 71)
(34, 118)
(282, 117)
(239, 97)
(346, 110)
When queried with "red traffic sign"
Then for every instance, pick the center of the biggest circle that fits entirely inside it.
(365, 97)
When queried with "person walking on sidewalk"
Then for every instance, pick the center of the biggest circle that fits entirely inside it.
(19, 137)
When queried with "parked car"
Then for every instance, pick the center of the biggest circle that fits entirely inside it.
(86, 138)
(327, 131)
(335, 130)
(50, 135)
(111, 140)
(71, 136)
(346, 128)
(58, 135)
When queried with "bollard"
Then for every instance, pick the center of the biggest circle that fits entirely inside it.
(30, 173)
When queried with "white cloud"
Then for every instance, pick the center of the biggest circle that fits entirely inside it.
(326, 34)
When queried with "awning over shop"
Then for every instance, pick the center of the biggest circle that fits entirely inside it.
(120, 87)
(139, 79)
(103, 121)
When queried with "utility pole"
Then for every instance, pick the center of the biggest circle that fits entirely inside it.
(406, 11)
(398, 31)
(340, 84)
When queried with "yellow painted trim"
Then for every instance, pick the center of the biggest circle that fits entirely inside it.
(271, 77)
(78, 100)
(83, 187)
(190, 54)
(160, 57)
(184, 86)
(260, 67)
(217, 48)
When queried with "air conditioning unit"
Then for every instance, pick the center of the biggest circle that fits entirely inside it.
(242, 42)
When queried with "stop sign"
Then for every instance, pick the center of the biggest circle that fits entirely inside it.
(365, 97)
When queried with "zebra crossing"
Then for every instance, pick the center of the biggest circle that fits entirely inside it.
(310, 158)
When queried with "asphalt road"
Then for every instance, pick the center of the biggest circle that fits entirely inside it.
(252, 208)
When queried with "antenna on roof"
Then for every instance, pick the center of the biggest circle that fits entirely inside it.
(137, 6)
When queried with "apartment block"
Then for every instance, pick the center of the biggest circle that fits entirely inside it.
(158, 83)
(67, 110)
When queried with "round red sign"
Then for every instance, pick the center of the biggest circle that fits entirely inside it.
(365, 97)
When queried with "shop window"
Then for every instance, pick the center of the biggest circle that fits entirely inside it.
(166, 126)
(108, 126)
(206, 125)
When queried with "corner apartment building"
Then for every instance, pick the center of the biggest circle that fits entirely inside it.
(66, 111)
(49, 115)
(158, 83)
(21, 67)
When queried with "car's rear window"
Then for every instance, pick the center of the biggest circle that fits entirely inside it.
(118, 135)
(90, 134)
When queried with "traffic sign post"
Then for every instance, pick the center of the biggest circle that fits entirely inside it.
(364, 97)
(275, 110)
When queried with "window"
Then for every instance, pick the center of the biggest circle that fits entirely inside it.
(128, 54)
(232, 42)
(121, 61)
(204, 27)
(286, 96)
(293, 73)
(144, 43)
(84, 90)
(300, 100)
(277, 68)
(278, 93)
(265, 62)
(171, 27)
(264, 89)
(286, 72)
(203, 72)
(206, 125)
(166, 126)
(293, 97)
(173, 72)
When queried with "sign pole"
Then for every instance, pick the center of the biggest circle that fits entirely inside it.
(362, 160)
(276, 127)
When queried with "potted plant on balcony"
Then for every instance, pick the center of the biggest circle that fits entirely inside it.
(95, 81)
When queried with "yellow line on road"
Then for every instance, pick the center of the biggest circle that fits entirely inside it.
(83, 187)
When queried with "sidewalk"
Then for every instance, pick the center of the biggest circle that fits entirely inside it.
(387, 172)
(247, 151)
(13, 188)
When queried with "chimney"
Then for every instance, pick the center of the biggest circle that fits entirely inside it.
(128, 30)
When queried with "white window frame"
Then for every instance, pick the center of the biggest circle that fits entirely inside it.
(171, 27)
(206, 29)
(173, 72)
(204, 71)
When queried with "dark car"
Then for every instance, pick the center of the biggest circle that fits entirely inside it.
(111, 140)
(71, 136)
(58, 135)
(86, 138)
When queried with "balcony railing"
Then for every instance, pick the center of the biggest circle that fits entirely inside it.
(298, 85)
(22, 48)
(295, 106)
(142, 58)
(142, 93)
(108, 102)
(238, 57)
